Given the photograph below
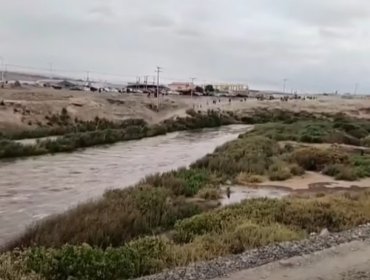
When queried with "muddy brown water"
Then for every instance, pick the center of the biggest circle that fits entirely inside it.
(33, 188)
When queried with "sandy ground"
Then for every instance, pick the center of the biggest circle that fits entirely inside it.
(316, 182)
(26, 108)
(345, 262)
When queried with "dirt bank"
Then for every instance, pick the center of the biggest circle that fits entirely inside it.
(26, 108)
(29, 108)
(316, 182)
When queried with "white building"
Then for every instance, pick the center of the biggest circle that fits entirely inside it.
(230, 88)
(181, 87)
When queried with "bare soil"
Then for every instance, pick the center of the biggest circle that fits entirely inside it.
(26, 108)
(316, 182)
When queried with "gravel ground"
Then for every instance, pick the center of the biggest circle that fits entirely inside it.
(255, 258)
(349, 261)
(356, 275)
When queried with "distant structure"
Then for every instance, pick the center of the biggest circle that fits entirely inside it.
(145, 88)
(183, 88)
(231, 88)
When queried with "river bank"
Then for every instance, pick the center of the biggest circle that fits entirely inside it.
(30, 108)
(170, 219)
(36, 187)
(109, 133)
(228, 267)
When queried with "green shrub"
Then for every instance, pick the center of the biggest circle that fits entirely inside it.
(187, 229)
(122, 215)
(245, 178)
(138, 258)
(249, 235)
(346, 174)
(101, 131)
(186, 182)
(316, 159)
(209, 193)
(332, 169)
(296, 170)
(253, 223)
(194, 179)
(252, 155)
(366, 141)
(13, 266)
(279, 173)
(362, 165)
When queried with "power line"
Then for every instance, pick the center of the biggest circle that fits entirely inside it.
(158, 72)
(192, 87)
(356, 88)
(2, 69)
(51, 70)
(284, 84)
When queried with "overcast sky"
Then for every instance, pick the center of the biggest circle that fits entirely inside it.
(318, 45)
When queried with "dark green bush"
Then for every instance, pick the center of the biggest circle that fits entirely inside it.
(120, 216)
(101, 131)
(252, 155)
(138, 258)
(315, 159)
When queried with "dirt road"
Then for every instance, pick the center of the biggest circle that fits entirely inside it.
(350, 261)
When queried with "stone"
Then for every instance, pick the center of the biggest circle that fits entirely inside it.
(324, 232)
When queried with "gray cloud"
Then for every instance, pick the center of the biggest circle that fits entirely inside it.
(317, 45)
(156, 21)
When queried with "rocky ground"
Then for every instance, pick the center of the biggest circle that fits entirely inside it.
(350, 261)
(338, 256)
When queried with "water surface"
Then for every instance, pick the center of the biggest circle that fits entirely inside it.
(33, 188)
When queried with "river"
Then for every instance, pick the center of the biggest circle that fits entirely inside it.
(33, 188)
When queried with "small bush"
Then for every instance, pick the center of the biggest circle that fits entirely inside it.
(296, 170)
(341, 172)
(346, 174)
(209, 193)
(249, 235)
(332, 170)
(191, 112)
(316, 159)
(244, 178)
(366, 141)
(187, 229)
(277, 172)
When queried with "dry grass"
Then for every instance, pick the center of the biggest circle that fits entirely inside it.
(245, 178)
(231, 230)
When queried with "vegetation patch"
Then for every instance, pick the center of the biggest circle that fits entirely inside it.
(100, 132)
(158, 224)
(232, 230)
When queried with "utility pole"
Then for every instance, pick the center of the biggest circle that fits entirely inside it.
(356, 88)
(51, 70)
(192, 87)
(88, 78)
(158, 72)
(146, 82)
(284, 84)
(2, 69)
